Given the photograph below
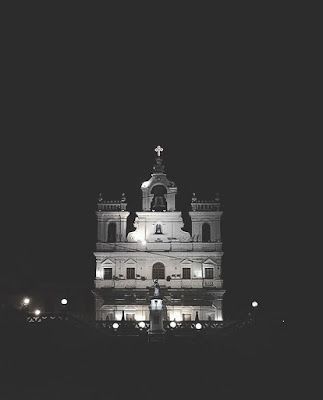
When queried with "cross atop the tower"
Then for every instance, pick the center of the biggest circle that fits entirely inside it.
(158, 149)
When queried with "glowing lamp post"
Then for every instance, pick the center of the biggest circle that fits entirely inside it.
(198, 330)
(254, 305)
(64, 305)
(142, 330)
(198, 326)
(173, 324)
(26, 302)
(37, 312)
(142, 324)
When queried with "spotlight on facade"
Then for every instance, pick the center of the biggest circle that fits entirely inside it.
(198, 326)
(141, 324)
(115, 325)
(172, 324)
(37, 312)
(64, 302)
(26, 301)
(254, 304)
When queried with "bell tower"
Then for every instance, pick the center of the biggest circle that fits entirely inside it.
(158, 194)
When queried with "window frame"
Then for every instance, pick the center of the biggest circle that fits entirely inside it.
(186, 273)
(207, 270)
(158, 271)
(107, 273)
(131, 273)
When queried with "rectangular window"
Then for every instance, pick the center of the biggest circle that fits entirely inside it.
(107, 273)
(186, 273)
(209, 273)
(131, 273)
(186, 317)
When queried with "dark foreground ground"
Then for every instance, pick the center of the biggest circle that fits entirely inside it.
(39, 362)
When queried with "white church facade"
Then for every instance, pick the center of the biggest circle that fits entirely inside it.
(187, 265)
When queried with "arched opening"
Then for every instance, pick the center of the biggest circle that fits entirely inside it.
(112, 230)
(158, 229)
(158, 271)
(206, 232)
(159, 202)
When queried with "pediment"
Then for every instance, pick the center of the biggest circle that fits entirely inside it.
(186, 262)
(209, 261)
(108, 263)
(130, 261)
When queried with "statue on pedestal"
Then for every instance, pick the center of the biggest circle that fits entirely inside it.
(156, 290)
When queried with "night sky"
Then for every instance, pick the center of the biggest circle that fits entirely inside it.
(87, 103)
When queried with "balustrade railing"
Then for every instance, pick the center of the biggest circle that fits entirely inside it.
(132, 327)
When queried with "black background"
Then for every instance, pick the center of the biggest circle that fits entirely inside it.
(90, 93)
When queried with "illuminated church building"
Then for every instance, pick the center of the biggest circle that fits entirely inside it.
(186, 265)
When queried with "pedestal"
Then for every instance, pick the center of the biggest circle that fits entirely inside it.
(156, 332)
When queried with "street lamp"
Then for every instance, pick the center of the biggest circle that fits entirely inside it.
(26, 302)
(37, 312)
(173, 324)
(254, 305)
(64, 305)
(142, 324)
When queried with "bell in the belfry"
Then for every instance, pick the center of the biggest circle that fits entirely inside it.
(159, 201)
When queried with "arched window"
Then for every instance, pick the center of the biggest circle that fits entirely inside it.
(158, 271)
(112, 229)
(206, 233)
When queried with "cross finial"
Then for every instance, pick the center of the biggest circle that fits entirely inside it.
(158, 149)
